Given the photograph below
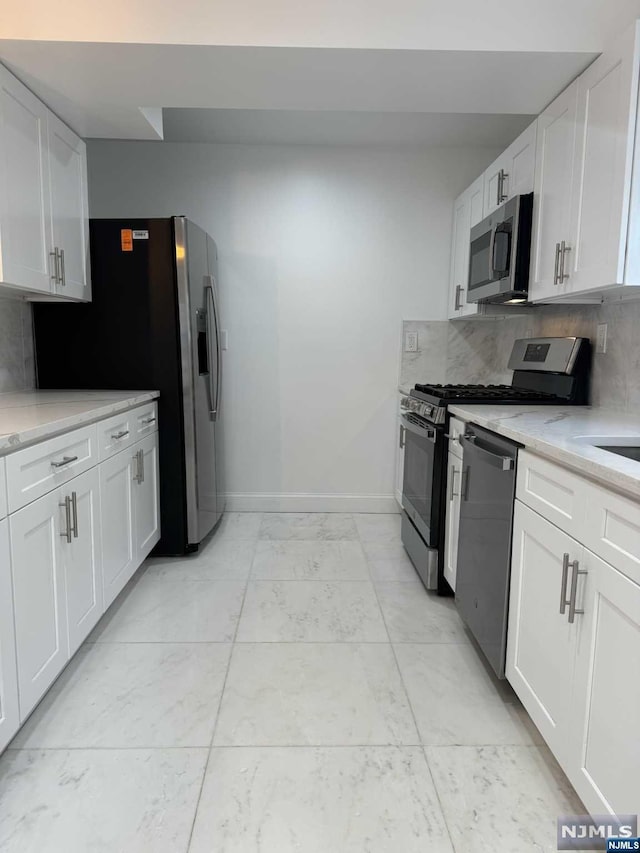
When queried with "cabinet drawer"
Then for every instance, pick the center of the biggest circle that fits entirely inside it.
(116, 433)
(145, 419)
(612, 529)
(553, 492)
(36, 470)
(3, 489)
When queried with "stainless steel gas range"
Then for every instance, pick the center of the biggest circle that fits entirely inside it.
(547, 371)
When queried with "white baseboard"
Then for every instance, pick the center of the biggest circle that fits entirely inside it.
(292, 502)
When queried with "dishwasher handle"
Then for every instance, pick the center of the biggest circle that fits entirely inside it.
(504, 463)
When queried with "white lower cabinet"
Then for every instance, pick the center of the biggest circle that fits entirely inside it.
(130, 512)
(9, 713)
(452, 524)
(146, 498)
(573, 657)
(64, 557)
(82, 556)
(607, 691)
(39, 601)
(541, 643)
(118, 534)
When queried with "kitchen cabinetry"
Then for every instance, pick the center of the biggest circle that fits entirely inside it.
(77, 530)
(454, 481)
(512, 173)
(82, 556)
(574, 634)
(39, 600)
(146, 497)
(69, 210)
(129, 492)
(117, 514)
(552, 195)
(44, 200)
(9, 713)
(587, 203)
(25, 208)
(467, 212)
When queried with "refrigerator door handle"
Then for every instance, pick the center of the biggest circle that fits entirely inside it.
(212, 314)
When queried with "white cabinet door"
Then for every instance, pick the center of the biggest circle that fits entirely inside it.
(25, 201)
(146, 497)
(69, 209)
(540, 641)
(475, 195)
(452, 527)
(512, 173)
(607, 104)
(82, 556)
(467, 211)
(552, 194)
(606, 709)
(9, 713)
(117, 522)
(459, 254)
(39, 597)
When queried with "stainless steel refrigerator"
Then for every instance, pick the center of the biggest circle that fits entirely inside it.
(154, 323)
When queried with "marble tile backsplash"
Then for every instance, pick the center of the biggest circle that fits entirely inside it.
(17, 364)
(478, 350)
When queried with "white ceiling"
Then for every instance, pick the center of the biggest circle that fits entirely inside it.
(115, 90)
(341, 128)
(531, 25)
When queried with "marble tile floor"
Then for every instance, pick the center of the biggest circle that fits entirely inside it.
(291, 687)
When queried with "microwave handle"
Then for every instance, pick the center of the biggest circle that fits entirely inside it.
(492, 249)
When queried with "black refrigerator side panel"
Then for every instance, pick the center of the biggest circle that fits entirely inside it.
(127, 338)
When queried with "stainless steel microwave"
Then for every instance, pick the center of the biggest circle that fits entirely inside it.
(500, 253)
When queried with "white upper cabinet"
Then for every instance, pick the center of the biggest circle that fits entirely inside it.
(70, 212)
(587, 204)
(467, 212)
(25, 206)
(512, 173)
(43, 199)
(603, 160)
(552, 193)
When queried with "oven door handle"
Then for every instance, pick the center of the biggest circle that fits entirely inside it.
(504, 463)
(422, 432)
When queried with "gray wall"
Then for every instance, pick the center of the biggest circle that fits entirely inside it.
(478, 350)
(16, 346)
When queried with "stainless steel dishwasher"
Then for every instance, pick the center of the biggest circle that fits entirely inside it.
(484, 545)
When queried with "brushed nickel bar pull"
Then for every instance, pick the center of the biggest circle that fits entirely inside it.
(563, 252)
(74, 512)
(66, 534)
(452, 493)
(141, 465)
(457, 305)
(574, 591)
(55, 275)
(121, 434)
(63, 275)
(563, 584)
(148, 421)
(66, 460)
(401, 437)
(556, 269)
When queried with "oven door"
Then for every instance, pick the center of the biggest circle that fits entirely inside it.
(422, 482)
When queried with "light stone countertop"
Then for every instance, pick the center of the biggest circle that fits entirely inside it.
(30, 416)
(559, 432)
